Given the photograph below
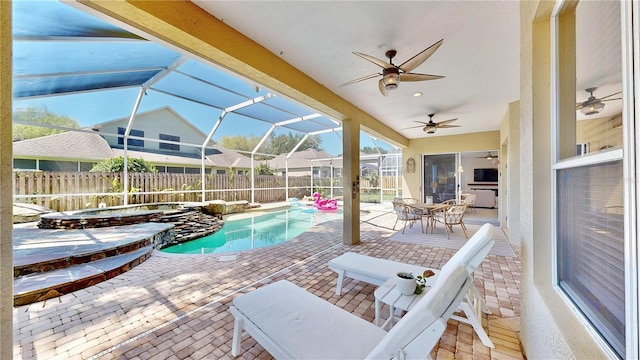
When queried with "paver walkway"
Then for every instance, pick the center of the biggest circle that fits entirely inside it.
(176, 306)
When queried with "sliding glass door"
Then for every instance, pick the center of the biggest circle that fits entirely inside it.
(440, 180)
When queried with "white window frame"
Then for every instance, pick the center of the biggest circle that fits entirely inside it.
(630, 15)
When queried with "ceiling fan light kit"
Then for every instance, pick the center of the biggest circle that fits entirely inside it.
(592, 109)
(390, 79)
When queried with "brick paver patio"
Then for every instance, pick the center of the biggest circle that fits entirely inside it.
(176, 306)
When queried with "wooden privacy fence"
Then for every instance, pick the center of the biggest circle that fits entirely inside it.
(63, 191)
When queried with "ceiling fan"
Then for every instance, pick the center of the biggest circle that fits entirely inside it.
(393, 74)
(489, 156)
(594, 105)
(431, 126)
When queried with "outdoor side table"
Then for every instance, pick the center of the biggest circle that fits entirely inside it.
(388, 294)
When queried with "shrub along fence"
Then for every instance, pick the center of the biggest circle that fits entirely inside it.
(64, 191)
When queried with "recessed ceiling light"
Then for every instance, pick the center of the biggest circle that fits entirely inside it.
(416, 94)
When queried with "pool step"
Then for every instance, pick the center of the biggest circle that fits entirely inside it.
(45, 262)
(46, 285)
(51, 263)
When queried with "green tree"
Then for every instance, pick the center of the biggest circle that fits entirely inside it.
(263, 169)
(274, 145)
(283, 143)
(116, 164)
(245, 143)
(372, 150)
(41, 117)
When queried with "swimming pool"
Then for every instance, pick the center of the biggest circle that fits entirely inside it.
(256, 231)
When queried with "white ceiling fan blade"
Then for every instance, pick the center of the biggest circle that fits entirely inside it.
(614, 94)
(448, 126)
(383, 90)
(360, 79)
(419, 77)
(415, 61)
(579, 106)
(445, 122)
(383, 64)
(610, 99)
(415, 127)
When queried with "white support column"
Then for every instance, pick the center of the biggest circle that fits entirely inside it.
(286, 178)
(398, 158)
(253, 181)
(203, 151)
(311, 167)
(125, 181)
(253, 154)
(331, 176)
(380, 179)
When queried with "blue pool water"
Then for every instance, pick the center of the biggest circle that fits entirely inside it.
(256, 232)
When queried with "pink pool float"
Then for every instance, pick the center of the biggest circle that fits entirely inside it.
(326, 204)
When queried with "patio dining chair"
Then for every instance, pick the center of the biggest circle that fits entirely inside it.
(470, 200)
(448, 216)
(407, 214)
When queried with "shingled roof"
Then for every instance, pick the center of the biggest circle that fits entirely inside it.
(91, 147)
(71, 145)
(302, 159)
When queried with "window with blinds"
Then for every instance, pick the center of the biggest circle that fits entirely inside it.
(590, 243)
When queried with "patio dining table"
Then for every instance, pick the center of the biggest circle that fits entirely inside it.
(427, 210)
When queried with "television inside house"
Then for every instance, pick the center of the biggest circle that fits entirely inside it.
(485, 175)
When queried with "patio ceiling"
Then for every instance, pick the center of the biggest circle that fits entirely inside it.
(59, 50)
(479, 59)
(480, 55)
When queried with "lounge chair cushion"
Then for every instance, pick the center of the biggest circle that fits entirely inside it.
(475, 250)
(372, 270)
(305, 326)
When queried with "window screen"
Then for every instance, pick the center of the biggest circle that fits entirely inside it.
(591, 245)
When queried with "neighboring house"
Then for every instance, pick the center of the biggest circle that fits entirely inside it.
(302, 163)
(80, 150)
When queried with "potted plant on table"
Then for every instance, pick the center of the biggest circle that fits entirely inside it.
(409, 284)
(421, 281)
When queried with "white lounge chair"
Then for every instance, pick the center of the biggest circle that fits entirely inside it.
(376, 271)
(291, 323)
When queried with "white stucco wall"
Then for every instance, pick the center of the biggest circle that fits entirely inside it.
(510, 170)
(549, 327)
